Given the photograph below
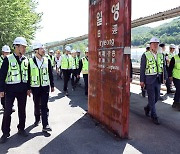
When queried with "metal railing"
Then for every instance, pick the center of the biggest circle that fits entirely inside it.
(135, 23)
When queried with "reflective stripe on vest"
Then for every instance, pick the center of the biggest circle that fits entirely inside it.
(85, 65)
(1, 61)
(176, 69)
(17, 73)
(153, 67)
(66, 62)
(39, 77)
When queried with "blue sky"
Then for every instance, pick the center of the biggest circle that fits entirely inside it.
(69, 18)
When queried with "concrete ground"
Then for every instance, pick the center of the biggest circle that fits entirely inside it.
(75, 132)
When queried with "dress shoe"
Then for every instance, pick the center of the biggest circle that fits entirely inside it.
(175, 104)
(46, 129)
(146, 110)
(155, 120)
(4, 138)
(36, 123)
(22, 133)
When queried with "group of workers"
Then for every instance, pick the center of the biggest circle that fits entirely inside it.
(21, 76)
(69, 65)
(158, 67)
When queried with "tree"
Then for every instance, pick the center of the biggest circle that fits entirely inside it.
(168, 33)
(18, 18)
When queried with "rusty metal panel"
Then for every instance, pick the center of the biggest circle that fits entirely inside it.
(109, 63)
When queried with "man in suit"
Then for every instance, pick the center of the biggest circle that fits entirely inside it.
(84, 67)
(5, 51)
(13, 81)
(174, 75)
(40, 82)
(152, 72)
(66, 66)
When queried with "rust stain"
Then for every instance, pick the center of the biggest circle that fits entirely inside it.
(109, 34)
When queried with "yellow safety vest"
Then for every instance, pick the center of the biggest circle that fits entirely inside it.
(170, 55)
(85, 65)
(75, 63)
(154, 67)
(176, 69)
(66, 62)
(52, 60)
(16, 73)
(39, 77)
(1, 60)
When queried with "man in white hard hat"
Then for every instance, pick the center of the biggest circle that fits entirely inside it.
(75, 67)
(51, 57)
(174, 75)
(66, 66)
(78, 53)
(41, 81)
(83, 67)
(14, 76)
(168, 57)
(5, 51)
(147, 47)
(58, 67)
(152, 72)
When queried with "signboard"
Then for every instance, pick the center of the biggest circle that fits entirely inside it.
(109, 63)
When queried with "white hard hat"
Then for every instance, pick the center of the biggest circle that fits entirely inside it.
(37, 45)
(148, 45)
(68, 48)
(73, 51)
(86, 50)
(154, 40)
(51, 51)
(6, 48)
(20, 41)
(78, 50)
(172, 46)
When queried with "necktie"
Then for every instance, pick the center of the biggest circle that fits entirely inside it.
(68, 60)
(75, 62)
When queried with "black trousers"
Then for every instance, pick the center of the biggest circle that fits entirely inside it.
(74, 78)
(168, 85)
(61, 73)
(177, 94)
(40, 99)
(21, 102)
(66, 74)
(85, 76)
(3, 102)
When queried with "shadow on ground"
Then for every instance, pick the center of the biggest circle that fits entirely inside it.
(86, 137)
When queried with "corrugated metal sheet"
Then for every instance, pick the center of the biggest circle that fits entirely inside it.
(109, 48)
